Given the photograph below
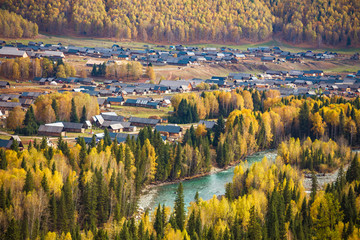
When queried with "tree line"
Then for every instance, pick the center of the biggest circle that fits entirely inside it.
(68, 107)
(331, 22)
(25, 68)
(13, 25)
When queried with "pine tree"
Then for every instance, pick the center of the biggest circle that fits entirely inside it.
(73, 114)
(83, 115)
(314, 186)
(31, 127)
(44, 184)
(304, 120)
(353, 172)
(107, 138)
(179, 208)
(3, 160)
(158, 223)
(12, 232)
(219, 128)
(254, 229)
(94, 71)
(55, 107)
(29, 182)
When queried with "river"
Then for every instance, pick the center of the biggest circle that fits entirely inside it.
(207, 186)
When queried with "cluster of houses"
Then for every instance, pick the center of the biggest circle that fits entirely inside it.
(24, 100)
(116, 125)
(176, 55)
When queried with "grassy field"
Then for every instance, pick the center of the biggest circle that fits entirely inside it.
(127, 111)
(101, 42)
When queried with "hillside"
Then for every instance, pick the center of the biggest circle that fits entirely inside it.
(314, 21)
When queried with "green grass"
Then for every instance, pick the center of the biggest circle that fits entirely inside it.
(283, 46)
(344, 69)
(128, 111)
(102, 42)
(87, 133)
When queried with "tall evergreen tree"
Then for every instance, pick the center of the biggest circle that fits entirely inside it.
(219, 128)
(3, 160)
(73, 114)
(254, 229)
(29, 182)
(304, 120)
(83, 115)
(55, 107)
(179, 208)
(353, 172)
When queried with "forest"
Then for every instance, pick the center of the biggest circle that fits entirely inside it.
(314, 21)
(13, 25)
(25, 69)
(90, 191)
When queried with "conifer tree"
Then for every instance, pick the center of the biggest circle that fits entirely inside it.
(73, 114)
(83, 115)
(304, 120)
(314, 186)
(254, 229)
(29, 182)
(179, 208)
(3, 160)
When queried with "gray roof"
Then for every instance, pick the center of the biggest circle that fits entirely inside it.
(208, 124)
(116, 126)
(107, 117)
(71, 125)
(9, 104)
(144, 120)
(50, 129)
(168, 128)
(11, 51)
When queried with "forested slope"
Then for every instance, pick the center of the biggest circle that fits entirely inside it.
(330, 22)
(15, 26)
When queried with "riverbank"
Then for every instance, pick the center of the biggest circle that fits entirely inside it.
(322, 179)
(207, 185)
(213, 170)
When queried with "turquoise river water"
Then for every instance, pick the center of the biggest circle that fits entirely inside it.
(207, 186)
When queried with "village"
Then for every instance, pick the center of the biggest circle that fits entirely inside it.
(114, 97)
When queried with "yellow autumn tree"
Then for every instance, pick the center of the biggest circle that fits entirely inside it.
(15, 118)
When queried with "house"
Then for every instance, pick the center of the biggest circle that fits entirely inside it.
(12, 52)
(102, 102)
(30, 95)
(8, 143)
(267, 59)
(169, 130)
(116, 127)
(208, 124)
(68, 126)
(53, 54)
(313, 73)
(26, 102)
(4, 84)
(98, 120)
(74, 127)
(143, 122)
(87, 124)
(7, 106)
(112, 116)
(115, 100)
(55, 131)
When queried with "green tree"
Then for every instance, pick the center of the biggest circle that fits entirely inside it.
(29, 182)
(179, 208)
(254, 229)
(353, 172)
(83, 115)
(73, 114)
